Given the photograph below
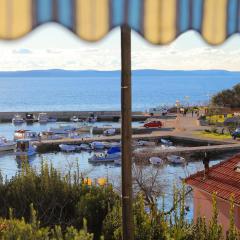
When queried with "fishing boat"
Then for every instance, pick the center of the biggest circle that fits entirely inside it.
(17, 119)
(175, 159)
(42, 118)
(6, 145)
(68, 148)
(104, 157)
(74, 119)
(97, 145)
(25, 134)
(156, 161)
(25, 148)
(29, 118)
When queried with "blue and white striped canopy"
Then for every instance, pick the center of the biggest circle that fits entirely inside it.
(158, 21)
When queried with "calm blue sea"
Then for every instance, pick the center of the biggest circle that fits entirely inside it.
(95, 91)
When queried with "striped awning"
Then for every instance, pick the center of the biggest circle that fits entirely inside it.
(158, 21)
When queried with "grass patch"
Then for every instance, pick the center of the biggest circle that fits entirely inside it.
(214, 135)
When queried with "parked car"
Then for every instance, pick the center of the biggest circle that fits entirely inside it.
(236, 133)
(153, 124)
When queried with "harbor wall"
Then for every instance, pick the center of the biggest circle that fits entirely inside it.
(66, 115)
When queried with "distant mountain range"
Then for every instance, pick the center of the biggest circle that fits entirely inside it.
(93, 73)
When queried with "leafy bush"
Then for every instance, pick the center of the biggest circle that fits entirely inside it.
(59, 200)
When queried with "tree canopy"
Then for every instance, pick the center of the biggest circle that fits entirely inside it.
(227, 98)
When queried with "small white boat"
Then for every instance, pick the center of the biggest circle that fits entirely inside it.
(109, 132)
(25, 134)
(42, 118)
(104, 157)
(97, 145)
(175, 159)
(74, 119)
(17, 119)
(67, 148)
(25, 148)
(6, 145)
(167, 147)
(156, 161)
(145, 143)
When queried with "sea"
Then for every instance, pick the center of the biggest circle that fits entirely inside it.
(59, 90)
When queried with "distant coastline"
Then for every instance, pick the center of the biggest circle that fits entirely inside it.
(90, 90)
(141, 72)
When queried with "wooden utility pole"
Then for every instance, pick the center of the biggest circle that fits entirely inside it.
(126, 111)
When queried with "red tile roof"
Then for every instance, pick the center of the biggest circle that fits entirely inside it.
(221, 178)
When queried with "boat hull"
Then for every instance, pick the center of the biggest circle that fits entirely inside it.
(7, 147)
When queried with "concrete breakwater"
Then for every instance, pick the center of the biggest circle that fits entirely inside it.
(66, 115)
(213, 148)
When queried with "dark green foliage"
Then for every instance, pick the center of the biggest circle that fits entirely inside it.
(46, 205)
(58, 200)
(228, 98)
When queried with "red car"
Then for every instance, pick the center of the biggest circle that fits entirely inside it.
(153, 124)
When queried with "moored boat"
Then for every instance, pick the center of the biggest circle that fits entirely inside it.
(104, 157)
(97, 145)
(175, 159)
(29, 118)
(156, 161)
(67, 147)
(166, 142)
(25, 148)
(74, 119)
(145, 143)
(85, 147)
(25, 134)
(49, 135)
(52, 119)
(109, 132)
(17, 119)
(42, 117)
(6, 145)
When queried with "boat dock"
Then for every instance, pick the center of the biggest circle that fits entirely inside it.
(212, 147)
(188, 152)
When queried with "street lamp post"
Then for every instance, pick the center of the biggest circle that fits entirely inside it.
(177, 104)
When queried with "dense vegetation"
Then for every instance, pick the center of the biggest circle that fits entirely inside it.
(228, 98)
(46, 205)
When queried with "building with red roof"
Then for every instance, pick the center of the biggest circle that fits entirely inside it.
(224, 180)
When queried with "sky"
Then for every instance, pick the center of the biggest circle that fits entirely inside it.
(52, 47)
